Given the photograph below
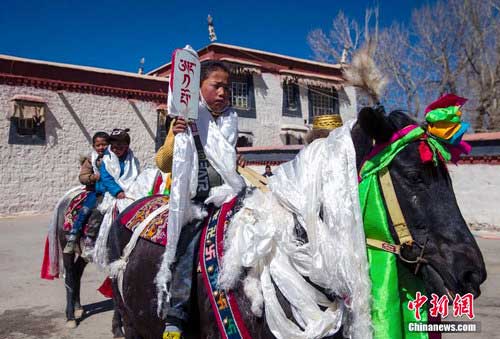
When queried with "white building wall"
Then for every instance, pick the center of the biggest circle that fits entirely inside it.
(33, 177)
(266, 127)
(268, 100)
(347, 103)
(477, 189)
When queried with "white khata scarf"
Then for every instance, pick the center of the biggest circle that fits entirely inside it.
(130, 173)
(261, 238)
(93, 160)
(218, 137)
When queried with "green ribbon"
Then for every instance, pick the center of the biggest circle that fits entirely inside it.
(393, 286)
(444, 114)
(166, 190)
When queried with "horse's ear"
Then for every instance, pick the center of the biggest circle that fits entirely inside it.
(375, 124)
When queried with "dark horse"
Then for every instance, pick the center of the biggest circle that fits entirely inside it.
(454, 263)
(74, 265)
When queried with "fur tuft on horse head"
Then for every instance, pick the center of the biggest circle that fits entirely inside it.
(364, 73)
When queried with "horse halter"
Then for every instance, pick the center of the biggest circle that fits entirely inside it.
(399, 223)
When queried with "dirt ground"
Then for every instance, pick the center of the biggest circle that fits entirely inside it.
(34, 308)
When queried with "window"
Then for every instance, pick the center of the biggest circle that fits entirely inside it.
(245, 139)
(293, 134)
(291, 100)
(242, 95)
(27, 120)
(239, 97)
(322, 101)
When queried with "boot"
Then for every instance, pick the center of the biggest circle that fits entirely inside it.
(70, 244)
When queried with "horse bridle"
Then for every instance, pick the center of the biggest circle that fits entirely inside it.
(399, 223)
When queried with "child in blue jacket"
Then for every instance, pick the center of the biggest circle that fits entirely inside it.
(119, 144)
(112, 178)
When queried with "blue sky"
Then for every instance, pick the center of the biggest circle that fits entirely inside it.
(116, 34)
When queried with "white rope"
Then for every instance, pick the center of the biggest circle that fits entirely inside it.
(117, 267)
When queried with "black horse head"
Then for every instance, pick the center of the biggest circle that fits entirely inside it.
(425, 194)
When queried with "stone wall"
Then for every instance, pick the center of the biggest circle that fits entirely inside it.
(35, 176)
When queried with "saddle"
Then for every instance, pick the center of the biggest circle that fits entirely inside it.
(72, 212)
(224, 306)
(156, 230)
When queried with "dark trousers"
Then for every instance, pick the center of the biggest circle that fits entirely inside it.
(183, 271)
(95, 219)
(89, 204)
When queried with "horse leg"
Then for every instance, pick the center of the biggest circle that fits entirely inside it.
(116, 324)
(120, 318)
(69, 283)
(80, 265)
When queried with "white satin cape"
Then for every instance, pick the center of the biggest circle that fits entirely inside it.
(322, 177)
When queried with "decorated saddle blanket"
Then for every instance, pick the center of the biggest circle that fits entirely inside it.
(71, 213)
(224, 305)
(156, 230)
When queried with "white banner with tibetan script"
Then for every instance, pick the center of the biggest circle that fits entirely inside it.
(184, 87)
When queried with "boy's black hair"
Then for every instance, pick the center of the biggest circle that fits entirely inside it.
(211, 66)
(102, 135)
(119, 136)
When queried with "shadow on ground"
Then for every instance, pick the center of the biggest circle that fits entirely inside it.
(29, 321)
(96, 308)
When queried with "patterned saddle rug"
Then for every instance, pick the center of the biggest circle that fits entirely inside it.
(224, 305)
(72, 211)
(156, 230)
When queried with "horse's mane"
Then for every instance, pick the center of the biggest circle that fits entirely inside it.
(376, 124)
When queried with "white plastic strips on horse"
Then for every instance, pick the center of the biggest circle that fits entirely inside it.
(322, 178)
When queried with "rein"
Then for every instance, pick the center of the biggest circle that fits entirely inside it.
(399, 223)
(393, 286)
(382, 156)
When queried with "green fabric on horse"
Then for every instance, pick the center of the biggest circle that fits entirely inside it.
(393, 286)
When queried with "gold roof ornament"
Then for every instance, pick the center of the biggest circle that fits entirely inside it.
(327, 121)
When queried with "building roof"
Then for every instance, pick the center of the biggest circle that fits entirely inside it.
(59, 76)
(266, 61)
(482, 136)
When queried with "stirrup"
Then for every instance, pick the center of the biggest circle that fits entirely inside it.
(172, 335)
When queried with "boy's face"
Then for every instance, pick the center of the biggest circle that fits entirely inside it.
(215, 90)
(100, 145)
(119, 149)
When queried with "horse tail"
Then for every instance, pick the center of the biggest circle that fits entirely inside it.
(55, 265)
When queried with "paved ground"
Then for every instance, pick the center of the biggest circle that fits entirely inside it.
(34, 308)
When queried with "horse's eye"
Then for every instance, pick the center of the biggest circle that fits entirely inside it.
(415, 177)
